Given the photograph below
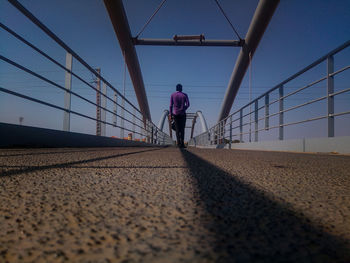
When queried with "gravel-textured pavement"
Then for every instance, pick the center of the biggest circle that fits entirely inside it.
(171, 205)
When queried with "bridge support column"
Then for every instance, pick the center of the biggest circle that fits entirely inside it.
(330, 98)
(67, 95)
(121, 27)
(258, 25)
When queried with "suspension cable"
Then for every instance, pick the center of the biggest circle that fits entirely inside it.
(228, 20)
(150, 19)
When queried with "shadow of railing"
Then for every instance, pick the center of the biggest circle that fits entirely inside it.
(23, 152)
(250, 227)
(20, 169)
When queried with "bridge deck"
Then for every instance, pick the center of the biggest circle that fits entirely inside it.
(167, 205)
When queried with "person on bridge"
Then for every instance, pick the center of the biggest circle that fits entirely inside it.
(179, 103)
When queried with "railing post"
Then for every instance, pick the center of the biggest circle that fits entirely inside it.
(267, 111)
(222, 126)
(152, 137)
(256, 117)
(230, 142)
(281, 107)
(67, 95)
(98, 103)
(122, 118)
(241, 125)
(222, 132)
(147, 132)
(103, 111)
(115, 109)
(156, 136)
(330, 99)
(209, 137)
(133, 123)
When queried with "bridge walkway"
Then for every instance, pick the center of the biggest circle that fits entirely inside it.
(172, 205)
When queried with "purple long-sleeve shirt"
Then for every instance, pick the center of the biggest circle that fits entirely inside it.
(179, 103)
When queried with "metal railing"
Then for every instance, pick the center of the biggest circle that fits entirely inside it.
(116, 106)
(233, 128)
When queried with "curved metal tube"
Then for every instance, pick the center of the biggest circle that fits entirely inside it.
(258, 25)
(121, 27)
(162, 120)
(203, 122)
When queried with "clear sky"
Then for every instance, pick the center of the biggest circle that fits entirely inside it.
(299, 33)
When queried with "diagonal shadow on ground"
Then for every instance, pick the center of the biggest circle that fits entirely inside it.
(250, 227)
(105, 167)
(50, 152)
(27, 169)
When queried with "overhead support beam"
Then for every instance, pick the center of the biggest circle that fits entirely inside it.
(258, 25)
(172, 42)
(121, 27)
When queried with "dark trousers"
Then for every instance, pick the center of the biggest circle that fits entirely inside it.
(180, 122)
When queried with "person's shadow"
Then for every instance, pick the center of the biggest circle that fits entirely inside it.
(250, 227)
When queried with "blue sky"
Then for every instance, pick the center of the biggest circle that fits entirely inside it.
(299, 33)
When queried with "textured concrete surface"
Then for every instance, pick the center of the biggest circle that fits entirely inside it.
(168, 205)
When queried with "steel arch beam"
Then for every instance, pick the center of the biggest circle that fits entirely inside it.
(258, 25)
(198, 114)
(121, 27)
(203, 122)
(162, 119)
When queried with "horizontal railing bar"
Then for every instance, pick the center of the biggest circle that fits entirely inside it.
(273, 114)
(339, 92)
(320, 60)
(235, 120)
(339, 71)
(243, 133)
(305, 87)
(253, 131)
(307, 120)
(304, 104)
(294, 92)
(36, 21)
(274, 101)
(293, 123)
(262, 118)
(247, 114)
(294, 107)
(340, 113)
(298, 122)
(61, 66)
(287, 124)
(261, 107)
(58, 107)
(59, 86)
